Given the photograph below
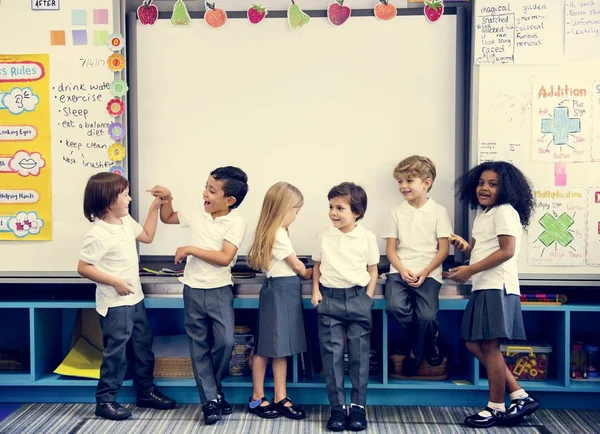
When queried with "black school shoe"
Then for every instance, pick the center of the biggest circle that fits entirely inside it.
(477, 421)
(226, 407)
(264, 411)
(519, 408)
(409, 367)
(357, 420)
(112, 411)
(435, 357)
(153, 399)
(212, 412)
(338, 420)
(292, 412)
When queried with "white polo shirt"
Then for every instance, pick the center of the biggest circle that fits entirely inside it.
(417, 231)
(281, 250)
(344, 257)
(210, 234)
(500, 220)
(111, 249)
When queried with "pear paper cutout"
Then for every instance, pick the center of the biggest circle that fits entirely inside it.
(180, 16)
(296, 17)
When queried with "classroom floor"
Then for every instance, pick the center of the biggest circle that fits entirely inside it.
(79, 418)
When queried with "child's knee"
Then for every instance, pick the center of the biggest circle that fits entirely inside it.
(473, 346)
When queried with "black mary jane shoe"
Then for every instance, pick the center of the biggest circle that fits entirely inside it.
(477, 421)
(357, 418)
(291, 412)
(519, 408)
(264, 411)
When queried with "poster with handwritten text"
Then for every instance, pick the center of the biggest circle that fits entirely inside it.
(501, 149)
(556, 234)
(596, 122)
(561, 114)
(522, 31)
(593, 226)
(582, 29)
(25, 157)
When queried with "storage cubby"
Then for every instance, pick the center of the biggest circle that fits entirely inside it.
(15, 345)
(543, 327)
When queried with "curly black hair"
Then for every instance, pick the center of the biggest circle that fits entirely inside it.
(515, 188)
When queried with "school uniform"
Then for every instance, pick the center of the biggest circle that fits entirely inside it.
(111, 249)
(494, 310)
(345, 308)
(280, 331)
(417, 231)
(208, 298)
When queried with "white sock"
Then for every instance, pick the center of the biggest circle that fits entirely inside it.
(493, 405)
(518, 394)
(356, 405)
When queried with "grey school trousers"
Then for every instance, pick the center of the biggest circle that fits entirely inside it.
(416, 309)
(126, 337)
(345, 312)
(209, 323)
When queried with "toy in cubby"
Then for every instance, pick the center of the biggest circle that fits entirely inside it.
(527, 362)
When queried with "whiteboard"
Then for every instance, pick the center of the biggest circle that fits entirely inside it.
(502, 108)
(28, 32)
(314, 108)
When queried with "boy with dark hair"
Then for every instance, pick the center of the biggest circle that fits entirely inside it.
(217, 232)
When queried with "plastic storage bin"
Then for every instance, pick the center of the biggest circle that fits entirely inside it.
(527, 361)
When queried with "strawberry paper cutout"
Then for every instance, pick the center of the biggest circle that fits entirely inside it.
(256, 13)
(214, 17)
(433, 10)
(147, 13)
(337, 13)
(384, 10)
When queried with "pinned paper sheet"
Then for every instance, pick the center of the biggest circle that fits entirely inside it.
(560, 174)
(83, 360)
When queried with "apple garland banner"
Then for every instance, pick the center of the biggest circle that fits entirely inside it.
(214, 17)
(256, 13)
(385, 11)
(181, 16)
(433, 10)
(296, 16)
(337, 13)
(147, 13)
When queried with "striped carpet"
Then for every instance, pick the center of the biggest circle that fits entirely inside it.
(79, 418)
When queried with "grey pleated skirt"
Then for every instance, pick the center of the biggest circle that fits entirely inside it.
(492, 314)
(280, 330)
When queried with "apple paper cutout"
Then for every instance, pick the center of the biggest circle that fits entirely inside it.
(147, 13)
(296, 16)
(214, 17)
(385, 11)
(180, 16)
(337, 13)
(256, 13)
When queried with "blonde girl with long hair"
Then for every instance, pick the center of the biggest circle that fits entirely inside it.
(280, 330)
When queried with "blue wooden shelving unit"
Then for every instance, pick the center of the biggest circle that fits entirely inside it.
(48, 327)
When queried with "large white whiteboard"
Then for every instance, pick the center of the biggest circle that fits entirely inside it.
(502, 109)
(28, 32)
(314, 107)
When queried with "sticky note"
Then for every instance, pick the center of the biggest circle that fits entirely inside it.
(100, 37)
(100, 16)
(79, 37)
(560, 174)
(78, 17)
(57, 37)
